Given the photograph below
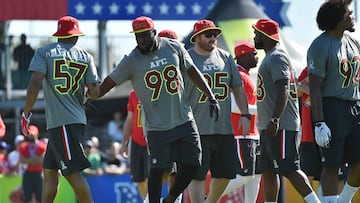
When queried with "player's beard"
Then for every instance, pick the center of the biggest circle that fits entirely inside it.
(208, 46)
(149, 48)
(259, 45)
(351, 28)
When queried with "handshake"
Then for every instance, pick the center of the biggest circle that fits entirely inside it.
(322, 134)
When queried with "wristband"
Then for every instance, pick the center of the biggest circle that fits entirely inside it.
(248, 116)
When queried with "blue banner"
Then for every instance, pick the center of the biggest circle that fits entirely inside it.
(116, 189)
(161, 9)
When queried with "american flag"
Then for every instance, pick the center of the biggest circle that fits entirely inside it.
(126, 9)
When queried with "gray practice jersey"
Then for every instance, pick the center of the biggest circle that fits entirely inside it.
(276, 66)
(158, 82)
(220, 71)
(67, 69)
(337, 62)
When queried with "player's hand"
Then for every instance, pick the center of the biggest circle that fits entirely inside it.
(214, 108)
(124, 150)
(24, 124)
(272, 129)
(322, 134)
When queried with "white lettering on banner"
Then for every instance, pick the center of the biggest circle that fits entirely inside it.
(126, 192)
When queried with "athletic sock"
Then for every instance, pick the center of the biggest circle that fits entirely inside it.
(251, 189)
(330, 199)
(179, 198)
(146, 200)
(312, 198)
(347, 193)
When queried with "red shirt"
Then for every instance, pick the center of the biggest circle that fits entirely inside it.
(4, 165)
(306, 127)
(2, 127)
(26, 150)
(137, 133)
(250, 90)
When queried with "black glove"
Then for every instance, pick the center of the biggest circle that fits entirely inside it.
(214, 106)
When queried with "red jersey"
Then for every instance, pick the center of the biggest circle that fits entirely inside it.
(137, 133)
(306, 129)
(2, 127)
(26, 150)
(250, 90)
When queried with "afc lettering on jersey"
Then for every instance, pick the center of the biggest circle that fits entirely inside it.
(209, 67)
(158, 63)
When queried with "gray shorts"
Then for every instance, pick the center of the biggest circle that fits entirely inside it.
(139, 162)
(280, 152)
(248, 151)
(343, 118)
(180, 144)
(219, 156)
(64, 150)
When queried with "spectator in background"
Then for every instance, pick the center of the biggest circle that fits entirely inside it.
(22, 55)
(4, 162)
(96, 145)
(115, 127)
(14, 157)
(94, 158)
(32, 153)
(114, 163)
(2, 128)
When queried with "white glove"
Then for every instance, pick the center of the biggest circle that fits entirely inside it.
(322, 134)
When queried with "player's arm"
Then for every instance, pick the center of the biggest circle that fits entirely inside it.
(127, 133)
(282, 89)
(241, 99)
(106, 86)
(33, 91)
(242, 102)
(200, 81)
(316, 97)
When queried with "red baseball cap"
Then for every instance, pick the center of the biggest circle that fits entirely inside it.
(168, 33)
(268, 28)
(68, 27)
(33, 130)
(142, 24)
(244, 48)
(203, 25)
